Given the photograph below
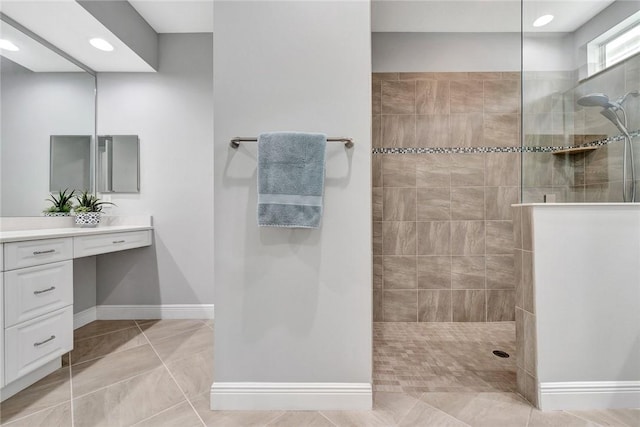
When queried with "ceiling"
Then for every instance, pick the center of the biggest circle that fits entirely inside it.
(68, 25)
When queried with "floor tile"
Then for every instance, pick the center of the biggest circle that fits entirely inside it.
(49, 391)
(181, 415)
(388, 409)
(97, 373)
(232, 418)
(100, 327)
(194, 373)
(482, 409)
(156, 330)
(180, 346)
(58, 416)
(127, 402)
(301, 418)
(611, 417)
(425, 415)
(556, 419)
(94, 347)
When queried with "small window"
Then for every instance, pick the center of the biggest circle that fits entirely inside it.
(615, 45)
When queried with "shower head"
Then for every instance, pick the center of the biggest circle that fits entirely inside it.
(597, 100)
(613, 117)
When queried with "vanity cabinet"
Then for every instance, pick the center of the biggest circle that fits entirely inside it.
(38, 304)
(36, 295)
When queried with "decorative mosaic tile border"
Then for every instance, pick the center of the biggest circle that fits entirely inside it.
(471, 150)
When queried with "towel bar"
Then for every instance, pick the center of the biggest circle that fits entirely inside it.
(235, 142)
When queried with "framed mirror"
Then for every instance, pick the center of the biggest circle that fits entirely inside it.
(48, 106)
(118, 164)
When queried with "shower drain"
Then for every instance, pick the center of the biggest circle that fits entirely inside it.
(501, 353)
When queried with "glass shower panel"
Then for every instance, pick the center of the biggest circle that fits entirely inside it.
(573, 152)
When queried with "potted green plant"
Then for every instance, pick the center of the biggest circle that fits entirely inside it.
(60, 205)
(88, 209)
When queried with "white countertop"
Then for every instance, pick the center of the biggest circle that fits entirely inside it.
(51, 233)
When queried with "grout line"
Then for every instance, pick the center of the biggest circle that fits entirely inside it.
(48, 408)
(173, 378)
(327, 418)
(106, 333)
(158, 413)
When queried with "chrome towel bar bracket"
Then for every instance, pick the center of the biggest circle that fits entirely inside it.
(235, 142)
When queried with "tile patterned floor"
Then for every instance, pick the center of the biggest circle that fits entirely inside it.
(158, 374)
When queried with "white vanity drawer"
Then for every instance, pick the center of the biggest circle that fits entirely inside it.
(105, 243)
(36, 252)
(32, 344)
(33, 291)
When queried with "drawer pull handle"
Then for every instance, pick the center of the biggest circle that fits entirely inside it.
(118, 241)
(51, 338)
(44, 290)
(49, 251)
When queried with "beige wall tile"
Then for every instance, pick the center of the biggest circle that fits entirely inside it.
(376, 131)
(527, 229)
(377, 238)
(467, 130)
(432, 97)
(483, 75)
(500, 272)
(512, 75)
(376, 170)
(400, 272)
(528, 282)
(434, 238)
(416, 76)
(378, 315)
(432, 130)
(468, 306)
(376, 200)
(467, 203)
(500, 306)
(530, 345)
(451, 76)
(377, 272)
(399, 238)
(376, 97)
(467, 237)
(434, 272)
(434, 203)
(502, 169)
(467, 272)
(468, 170)
(517, 277)
(398, 97)
(378, 77)
(502, 96)
(400, 306)
(434, 306)
(398, 131)
(399, 170)
(501, 130)
(498, 201)
(520, 347)
(399, 204)
(466, 96)
(434, 170)
(516, 215)
(499, 237)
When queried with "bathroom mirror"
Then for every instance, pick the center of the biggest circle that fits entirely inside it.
(48, 106)
(118, 164)
(70, 162)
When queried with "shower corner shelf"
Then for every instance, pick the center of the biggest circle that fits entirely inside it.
(575, 150)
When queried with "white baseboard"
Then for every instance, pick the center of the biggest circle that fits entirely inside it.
(291, 396)
(589, 395)
(85, 316)
(31, 378)
(164, 311)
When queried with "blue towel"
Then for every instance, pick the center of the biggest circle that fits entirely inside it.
(290, 179)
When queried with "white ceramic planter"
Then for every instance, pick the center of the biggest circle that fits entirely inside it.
(87, 219)
(57, 214)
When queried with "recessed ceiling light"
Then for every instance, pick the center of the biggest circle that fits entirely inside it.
(7, 45)
(101, 44)
(543, 20)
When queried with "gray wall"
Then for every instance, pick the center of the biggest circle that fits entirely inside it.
(445, 52)
(293, 305)
(35, 106)
(172, 112)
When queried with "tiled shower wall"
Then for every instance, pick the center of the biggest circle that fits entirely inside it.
(552, 118)
(445, 173)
